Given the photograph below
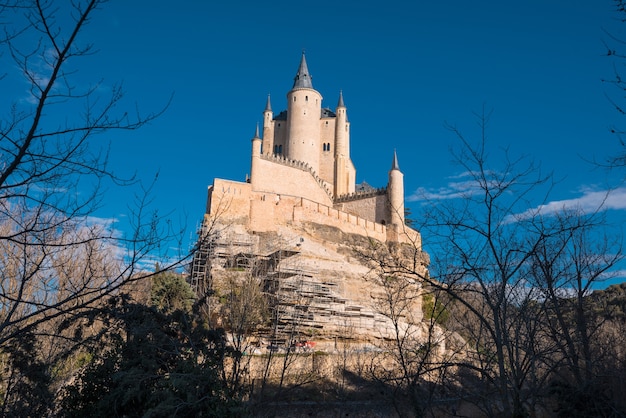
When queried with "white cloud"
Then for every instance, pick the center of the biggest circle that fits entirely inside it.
(617, 275)
(453, 190)
(37, 74)
(591, 200)
(113, 240)
(103, 222)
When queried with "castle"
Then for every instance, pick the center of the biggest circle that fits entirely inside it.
(301, 168)
(295, 223)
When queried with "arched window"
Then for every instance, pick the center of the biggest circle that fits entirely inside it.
(328, 147)
(280, 149)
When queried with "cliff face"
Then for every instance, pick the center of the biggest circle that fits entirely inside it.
(316, 283)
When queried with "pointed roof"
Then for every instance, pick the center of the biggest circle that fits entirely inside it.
(394, 165)
(256, 133)
(303, 79)
(268, 105)
(340, 104)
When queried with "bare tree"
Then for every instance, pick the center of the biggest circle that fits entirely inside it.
(480, 250)
(483, 244)
(289, 302)
(615, 51)
(411, 360)
(56, 261)
(566, 267)
(243, 312)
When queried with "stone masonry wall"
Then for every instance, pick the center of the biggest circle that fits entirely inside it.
(263, 212)
(280, 178)
(374, 208)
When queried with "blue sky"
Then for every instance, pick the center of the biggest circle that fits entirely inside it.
(406, 69)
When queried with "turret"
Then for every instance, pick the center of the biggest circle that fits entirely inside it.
(268, 128)
(304, 106)
(344, 171)
(256, 156)
(342, 133)
(395, 190)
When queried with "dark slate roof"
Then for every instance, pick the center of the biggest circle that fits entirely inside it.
(268, 105)
(364, 187)
(303, 79)
(327, 113)
(394, 165)
(281, 116)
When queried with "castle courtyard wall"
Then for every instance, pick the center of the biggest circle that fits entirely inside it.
(236, 202)
(280, 178)
(374, 208)
(229, 198)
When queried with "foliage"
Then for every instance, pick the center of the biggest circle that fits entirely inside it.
(27, 380)
(244, 306)
(58, 262)
(171, 292)
(434, 309)
(610, 302)
(162, 364)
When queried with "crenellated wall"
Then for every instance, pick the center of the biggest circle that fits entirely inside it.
(309, 211)
(264, 211)
(370, 205)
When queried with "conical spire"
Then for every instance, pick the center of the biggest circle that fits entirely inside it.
(256, 133)
(268, 105)
(303, 78)
(340, 104)
(394, 165)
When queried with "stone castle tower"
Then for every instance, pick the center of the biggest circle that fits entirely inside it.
(308, 132)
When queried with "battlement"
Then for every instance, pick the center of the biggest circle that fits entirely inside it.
(361, 195)
(346, 221)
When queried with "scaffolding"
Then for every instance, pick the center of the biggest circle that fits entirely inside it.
(302, 303)
(216, 249)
